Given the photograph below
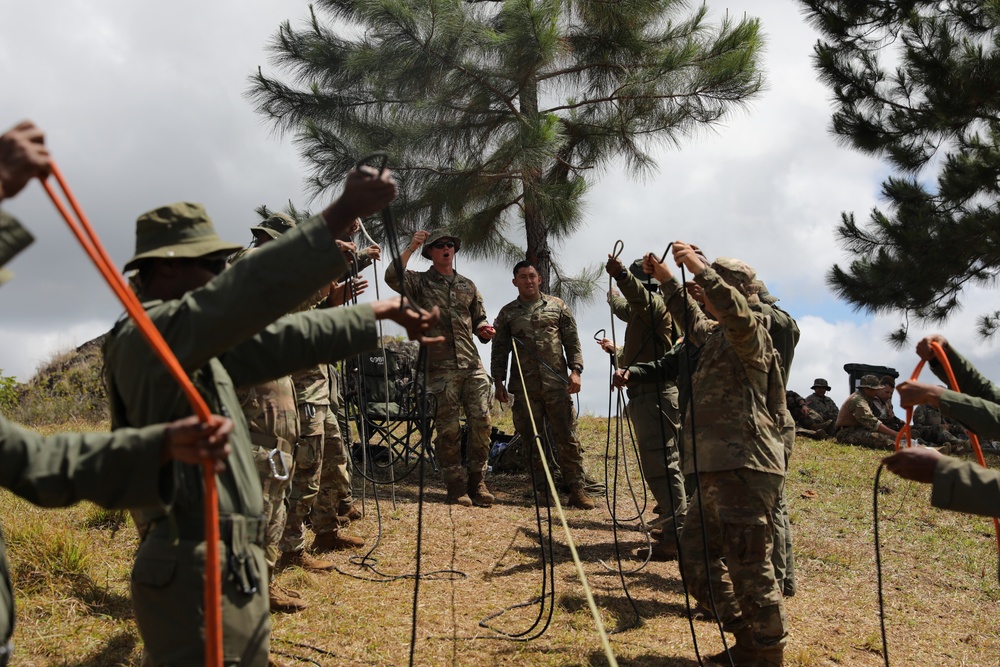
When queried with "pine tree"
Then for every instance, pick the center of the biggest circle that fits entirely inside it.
(497, 115)
(917, 83)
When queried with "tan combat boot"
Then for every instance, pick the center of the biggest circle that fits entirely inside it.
(578, 497)
(742, 652)
(336, 542)
(458, 494)
(284, 601)
(663, 550)
(478, 493)
(349, 510)
(305, 561)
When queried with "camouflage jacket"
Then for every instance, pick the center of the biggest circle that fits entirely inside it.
(545, 333)
(926, 415)
(857, 411)
(800, 410)
(737, 388)
(823, 405)
(784, 333)
(642, 311)
(462, 314)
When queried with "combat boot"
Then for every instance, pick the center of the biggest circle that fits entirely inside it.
(772, 656)
(284, 601)
(458, 494)
(578, 497)
(336, 542)
(743, 653)
(478, 493)
(663, 551)
(349, 511)
(305, 561)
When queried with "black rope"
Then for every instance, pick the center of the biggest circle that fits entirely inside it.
(878, 565)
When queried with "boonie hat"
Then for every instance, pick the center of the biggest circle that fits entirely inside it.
(275, 225)
(869, 382)
(820, 383)
(636, 270)
(438, 235)
(737, 273)
(181, 230)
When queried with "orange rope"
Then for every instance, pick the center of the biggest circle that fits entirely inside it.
(90, 242)
(942, 358)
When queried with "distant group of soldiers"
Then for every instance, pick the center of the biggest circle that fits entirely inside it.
(704, 366)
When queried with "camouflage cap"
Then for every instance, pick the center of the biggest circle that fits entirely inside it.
(820, 383)
(275, 225)
(736, 273)
(13, 239)
(181, 230)
(643, 277)
(763, 294)
(869, 382)
(438, 235)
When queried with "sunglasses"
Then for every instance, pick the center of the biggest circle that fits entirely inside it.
(441, 245)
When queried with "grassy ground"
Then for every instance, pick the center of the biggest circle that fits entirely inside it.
(71, 575)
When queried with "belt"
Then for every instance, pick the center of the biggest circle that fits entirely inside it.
(253, 527)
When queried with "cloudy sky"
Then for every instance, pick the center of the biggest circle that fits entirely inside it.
(144, 105)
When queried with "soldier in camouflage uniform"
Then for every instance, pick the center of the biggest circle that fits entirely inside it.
(857, 424)
(824, 405)
(272, 417)
(455, 373)
(739, 416)
(544, 330)
(652, 409)
(808, 422)
(932, 428)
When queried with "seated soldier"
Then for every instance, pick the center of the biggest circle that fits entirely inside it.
(808, 422)
(823, 404)
(882, 403)
(857, 424)
(931, 427)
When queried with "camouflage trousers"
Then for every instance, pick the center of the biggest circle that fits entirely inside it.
(335, 475)
(783, 557)
(938, 434)
(656, 421)
(557, 408)
(736, 506)
(859, 435)
(305, 482)
(275, 511)
(456, 391)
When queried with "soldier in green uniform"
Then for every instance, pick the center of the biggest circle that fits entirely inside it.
(456, 376)
(962, 486)
(652, 409)
(933, 429)
(121, 469)
(739, 416)
(227, 329)
(857, 424)
(823, 404)
(544, 330)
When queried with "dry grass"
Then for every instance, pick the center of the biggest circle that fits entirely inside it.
(939, 567)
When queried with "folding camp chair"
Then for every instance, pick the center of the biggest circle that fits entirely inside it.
(386, 400)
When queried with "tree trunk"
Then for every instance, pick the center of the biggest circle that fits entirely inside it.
(537, 235)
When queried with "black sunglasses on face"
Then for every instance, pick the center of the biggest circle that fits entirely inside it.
(441, 245)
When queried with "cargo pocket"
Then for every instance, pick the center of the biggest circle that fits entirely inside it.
(746, 534)
(156, 571)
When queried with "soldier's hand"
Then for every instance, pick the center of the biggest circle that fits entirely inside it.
(652, 266)
(23, 156)
(924, 350)
(373, 252)
(501, 392)
(348, 248)
(686, 256)
(365, 193)
(695, 291)
(486, 332)
(620, 379)
(574, 383)
(614, 267)
(918, 393)
(418, 240)
(914, 463)
(415, 320)
(607, 345)
(189, 440)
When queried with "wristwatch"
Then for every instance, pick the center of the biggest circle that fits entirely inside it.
(578, 368)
